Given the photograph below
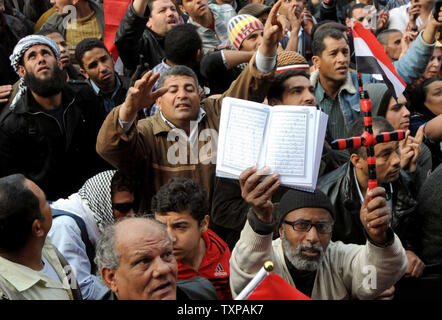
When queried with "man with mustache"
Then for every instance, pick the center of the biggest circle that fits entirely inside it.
(49, 131)
(347, 186)
(97, 66)
(142, 31)
(336, 87)
(304, 255)
(135, 259)
(181, 139)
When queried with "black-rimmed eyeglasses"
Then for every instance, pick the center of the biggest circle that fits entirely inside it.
(306, 225)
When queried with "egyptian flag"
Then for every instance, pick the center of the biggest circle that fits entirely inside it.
(270, 286)
(114, 11)
(372, 59)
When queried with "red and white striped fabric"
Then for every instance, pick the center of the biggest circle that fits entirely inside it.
(372, 59)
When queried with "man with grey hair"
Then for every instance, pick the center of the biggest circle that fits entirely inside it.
(180, 140)
(49, 131)
(135, 259)
(304, 255)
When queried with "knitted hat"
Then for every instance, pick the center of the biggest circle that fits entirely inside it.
(380, 98)
(255, 9)
(291, 60)
(296, 199)
(241, 26)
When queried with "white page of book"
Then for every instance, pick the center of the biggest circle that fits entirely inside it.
(319, 143)
(289, 145)
(242, 127)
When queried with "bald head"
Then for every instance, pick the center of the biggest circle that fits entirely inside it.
(144, 267)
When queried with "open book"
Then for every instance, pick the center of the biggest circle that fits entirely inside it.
(288, 139)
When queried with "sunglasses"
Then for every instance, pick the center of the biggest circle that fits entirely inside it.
(124, 207)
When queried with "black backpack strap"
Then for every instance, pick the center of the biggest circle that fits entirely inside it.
(90, 250)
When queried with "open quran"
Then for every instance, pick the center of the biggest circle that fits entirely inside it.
(287, 139)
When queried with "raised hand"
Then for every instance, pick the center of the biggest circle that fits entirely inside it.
(375, 215)
(382, 20)
(307, 21)
(273, 32)
(259, 193)
(140, 96)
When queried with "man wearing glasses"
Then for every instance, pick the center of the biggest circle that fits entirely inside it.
(304, 255)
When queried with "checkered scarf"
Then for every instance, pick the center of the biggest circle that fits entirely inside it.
(19, 50)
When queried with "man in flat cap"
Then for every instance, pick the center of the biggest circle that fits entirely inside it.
(304, 255)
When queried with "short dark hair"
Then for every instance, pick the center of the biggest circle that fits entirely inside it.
(354, 7)
(181, 194)
(19, 208)
(86, 45)
(277, 87)
(122, 182)
(177, 70)
(318, 45)
(380, 124)
(182, 43)
(383, 36)
(327, 24)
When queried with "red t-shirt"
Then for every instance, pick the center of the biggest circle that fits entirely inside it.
(215, 265)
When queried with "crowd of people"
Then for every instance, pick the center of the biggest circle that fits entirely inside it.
(108, 189)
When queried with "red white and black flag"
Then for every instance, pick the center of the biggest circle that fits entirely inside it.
(372, 59)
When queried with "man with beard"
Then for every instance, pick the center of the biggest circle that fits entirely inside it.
(49, 132)
(304, 255)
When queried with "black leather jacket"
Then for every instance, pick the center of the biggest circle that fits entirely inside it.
(340, 186)
(134, 38)
(33, 143)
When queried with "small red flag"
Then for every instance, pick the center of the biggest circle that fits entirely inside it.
(273, 287)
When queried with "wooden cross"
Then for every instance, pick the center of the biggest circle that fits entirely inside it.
(368, 139)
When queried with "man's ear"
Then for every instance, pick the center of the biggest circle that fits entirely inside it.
(356, 160)
(280, 230)
(21, 71)
(182, 8)
(158, 101)
(274, 102)
(348, 22)
(109, 278)
(84, 73)
(37, 228)
(75, 2)
(316, 62)
(149, 23)
(205, 223)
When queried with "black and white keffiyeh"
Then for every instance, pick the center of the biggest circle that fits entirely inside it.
(96, 192)
(19, 50)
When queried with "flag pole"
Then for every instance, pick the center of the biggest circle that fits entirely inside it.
(256, 281)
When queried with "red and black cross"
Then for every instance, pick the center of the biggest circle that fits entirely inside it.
(368, 139)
